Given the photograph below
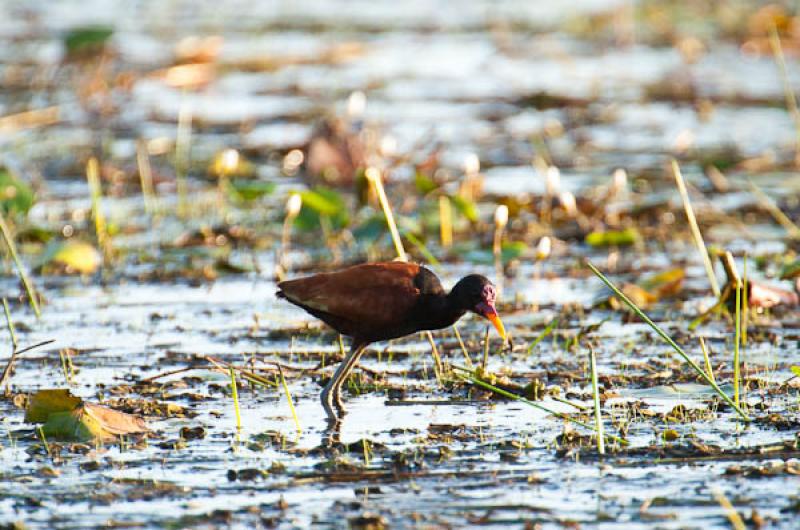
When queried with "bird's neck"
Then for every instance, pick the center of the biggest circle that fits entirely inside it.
(441, 311)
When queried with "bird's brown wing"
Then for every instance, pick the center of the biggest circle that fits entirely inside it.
(371, 297)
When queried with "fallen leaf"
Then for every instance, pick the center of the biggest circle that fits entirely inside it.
(69, 418)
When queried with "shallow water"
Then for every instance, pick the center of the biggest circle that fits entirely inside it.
(507, 81)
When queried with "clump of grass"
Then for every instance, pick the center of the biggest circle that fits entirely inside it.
(12, 248)
(698, 237)
(668, 340)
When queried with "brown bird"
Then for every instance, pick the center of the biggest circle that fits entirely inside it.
(382, 301)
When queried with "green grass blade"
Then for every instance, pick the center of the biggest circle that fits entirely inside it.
(510, 395)
(667, 339)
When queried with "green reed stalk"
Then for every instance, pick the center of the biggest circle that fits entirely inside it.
(505, 393)
(661, 333)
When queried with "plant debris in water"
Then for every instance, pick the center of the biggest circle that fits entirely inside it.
(156, 182)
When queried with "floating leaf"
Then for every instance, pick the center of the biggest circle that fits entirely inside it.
(249, 190)
(424, 183)
(71, 257)
(46, 402)
(87, 40)
(66, 417)
(511, 250)
(663, 284)
(371, 229)
(639, 296)
(16, 197)
(322, 202)
(628, 236)
(795, 370)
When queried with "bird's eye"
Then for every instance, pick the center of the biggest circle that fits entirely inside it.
(488, 293)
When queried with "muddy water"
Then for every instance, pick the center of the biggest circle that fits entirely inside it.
(435, 456)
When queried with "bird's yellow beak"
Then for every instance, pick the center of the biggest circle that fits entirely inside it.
(488, 311)
(498, 324)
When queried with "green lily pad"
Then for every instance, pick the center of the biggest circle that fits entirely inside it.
(629, 236)
(249, 190)
(322, 202)
(87, 40)
(71, 257)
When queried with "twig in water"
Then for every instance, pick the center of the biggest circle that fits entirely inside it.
(96, 194)
(788, 91)
(12, 247)
(183, 139)
(10, 323)
(145, 177)
(374, 176)
(14, 354)
(698, 237)
(730, 512)
(463, 347)
(235, 395)
(707, 359)
(767, 203)
(289, 400)
(500, 222)
(598, 418)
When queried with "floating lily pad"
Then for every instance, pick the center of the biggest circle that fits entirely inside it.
(322, 202)
(88, 40)
(465, 207)
(69, 418)
(629, 236)
(249, 190)
(71, 257)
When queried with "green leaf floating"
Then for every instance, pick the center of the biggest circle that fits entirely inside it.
(16, 197)
(69, 418)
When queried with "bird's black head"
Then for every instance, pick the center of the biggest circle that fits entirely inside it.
(477, 294)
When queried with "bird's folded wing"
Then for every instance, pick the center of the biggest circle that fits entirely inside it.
(372, 294)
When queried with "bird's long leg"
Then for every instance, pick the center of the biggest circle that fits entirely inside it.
(331, 394)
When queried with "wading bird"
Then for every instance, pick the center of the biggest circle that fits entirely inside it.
(382, 301)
